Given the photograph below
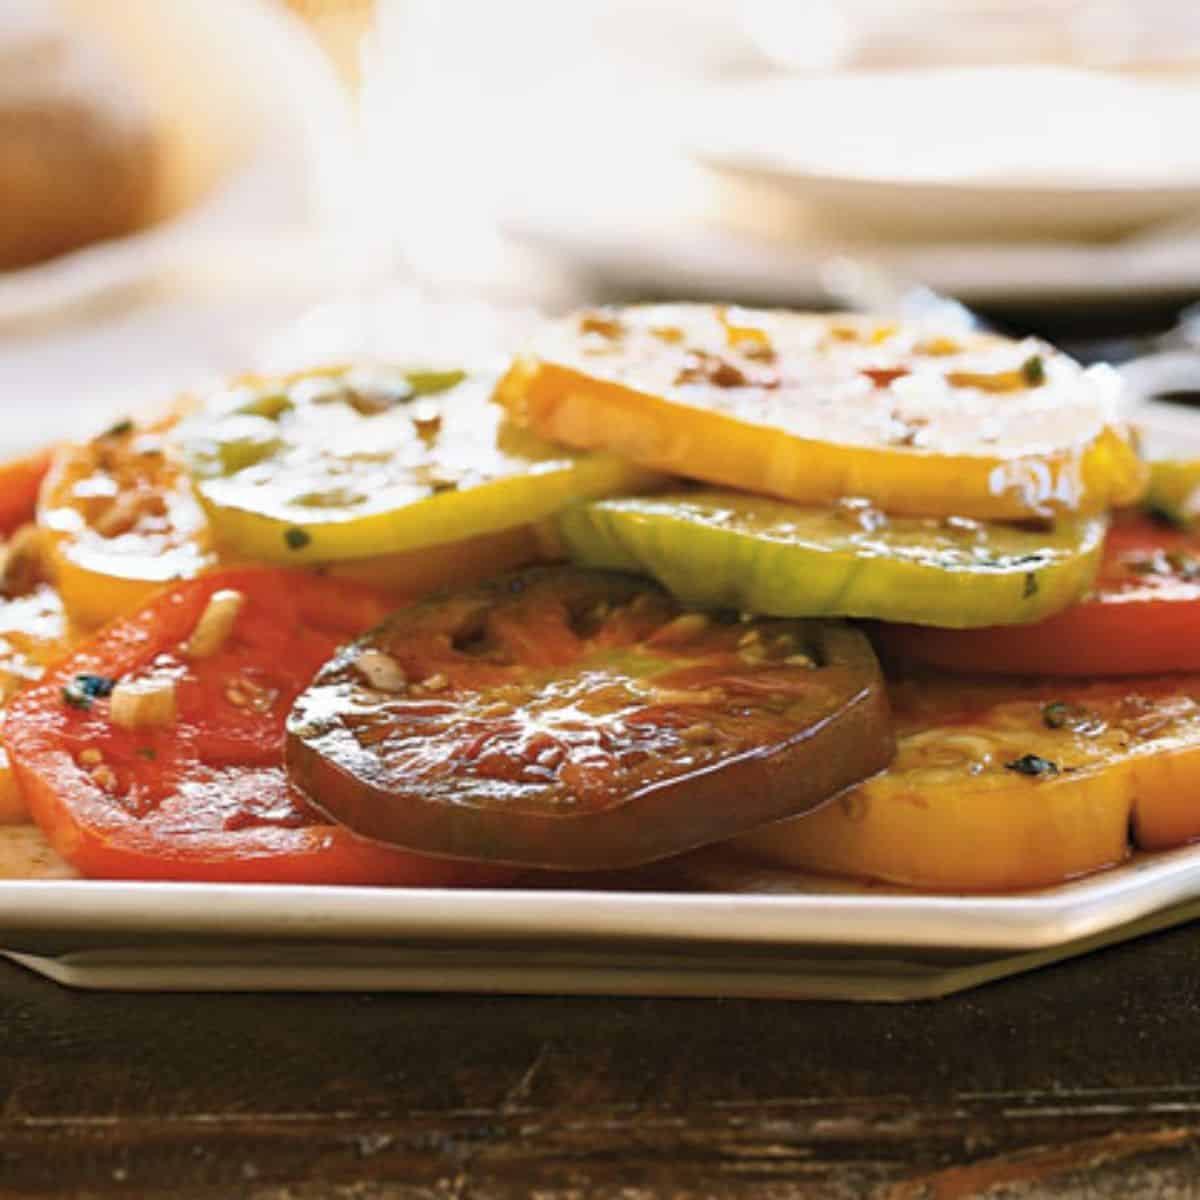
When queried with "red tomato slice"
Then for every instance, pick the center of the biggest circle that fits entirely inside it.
(1141, 618)
(204, 797)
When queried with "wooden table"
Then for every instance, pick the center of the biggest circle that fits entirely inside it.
(1080, 1080)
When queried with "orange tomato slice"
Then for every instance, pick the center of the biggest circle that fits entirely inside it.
(119, 521)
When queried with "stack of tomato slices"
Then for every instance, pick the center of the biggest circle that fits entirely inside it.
(319, 628)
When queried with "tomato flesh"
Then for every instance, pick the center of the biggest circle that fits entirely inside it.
(1142, 617)
(20, 479)
(814, 407)
(119, 521)
(204, 797)
(357, 463)
(1000, 784)
(582, 719)
(774, 558)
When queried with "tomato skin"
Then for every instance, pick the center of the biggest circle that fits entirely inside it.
(755, 400)
(205, 798)
(1141, 618)
(1000, 784)
(272, 460)
(580, 720)
(20, 479)
(721, 549)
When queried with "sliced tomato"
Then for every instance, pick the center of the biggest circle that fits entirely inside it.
(34, 633)
(774, 558)
(119, 520)
(20, 479)
(1142, 617)
(1001, 784)
(203, 796)
(558, 717)
(355, 463)
(815, 407)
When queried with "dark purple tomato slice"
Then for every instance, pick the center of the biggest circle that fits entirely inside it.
(559, 717)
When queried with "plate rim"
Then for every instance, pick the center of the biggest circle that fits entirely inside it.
(77, 910)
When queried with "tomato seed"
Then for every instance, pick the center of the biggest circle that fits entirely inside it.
(105, 777)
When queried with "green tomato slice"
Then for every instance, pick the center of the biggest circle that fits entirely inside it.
(731, 550)
(358, 462)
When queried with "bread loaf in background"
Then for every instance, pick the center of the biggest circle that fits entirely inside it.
(80, 158)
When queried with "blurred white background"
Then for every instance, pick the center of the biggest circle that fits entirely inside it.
(471, 160)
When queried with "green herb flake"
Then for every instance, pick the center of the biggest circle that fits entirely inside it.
(1165, 516)
(1056, 715)
(1030, 587)
(1033, 765)
(296, 538)
(147, 752)
(83, 689)
(1033, 371)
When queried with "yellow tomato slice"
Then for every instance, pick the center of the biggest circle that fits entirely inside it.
(34, 633)
(1000, 785)
(812, 408)
(1174, 491)
(358, 462)
(119, 520)
(20, 479)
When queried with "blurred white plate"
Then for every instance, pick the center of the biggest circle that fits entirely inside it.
(260, 139)
(1003, 152)
(695, 258)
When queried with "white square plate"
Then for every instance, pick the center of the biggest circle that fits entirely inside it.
(707, 925)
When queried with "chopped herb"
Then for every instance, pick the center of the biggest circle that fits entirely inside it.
(1031, 585)
(1032, 764)
(296, 538)
(1056, 715)
(1033, 371)
(147, 752)
(119, 429)
(83, 689)
(1163, 516)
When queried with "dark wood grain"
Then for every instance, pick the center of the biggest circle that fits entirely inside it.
(1082, 1079)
